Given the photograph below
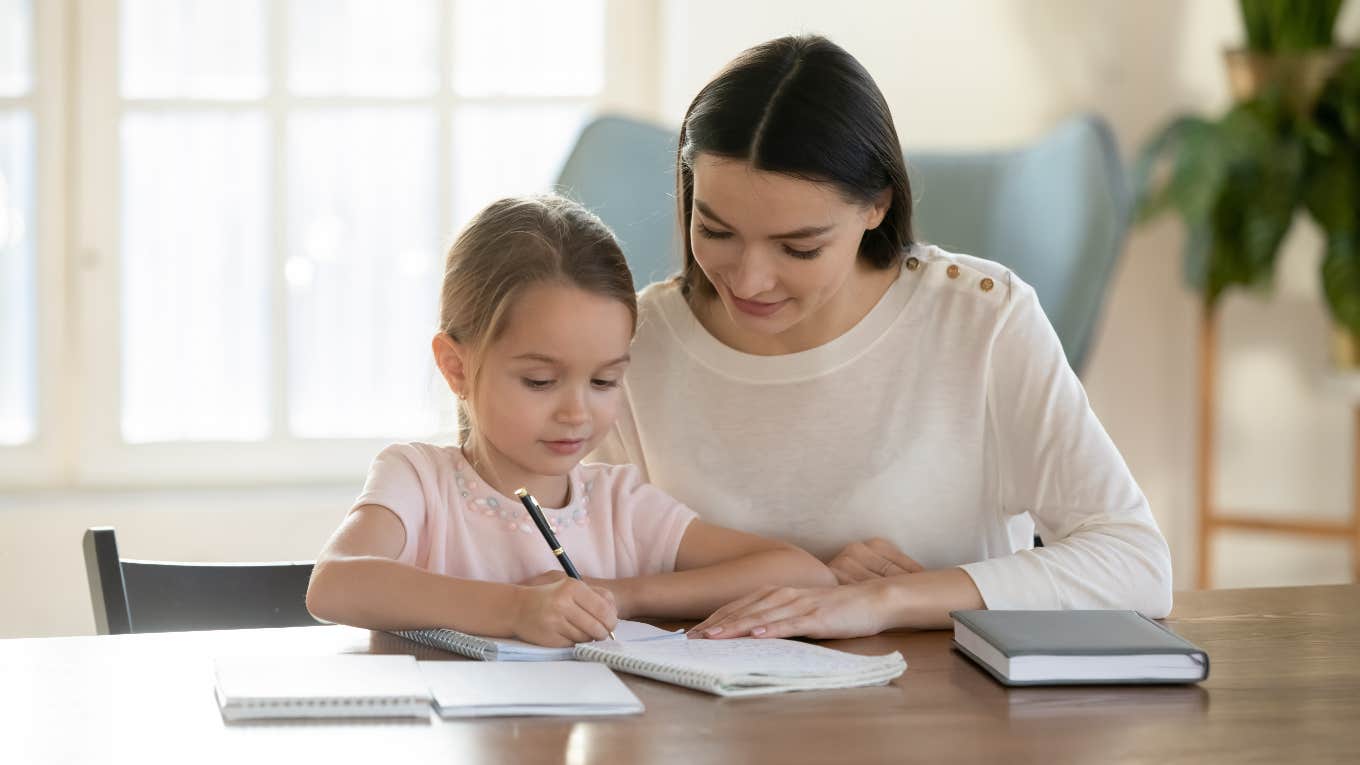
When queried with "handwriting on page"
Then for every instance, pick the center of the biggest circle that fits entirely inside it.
(786, 658)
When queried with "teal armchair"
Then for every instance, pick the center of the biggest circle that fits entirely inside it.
(1055, 211)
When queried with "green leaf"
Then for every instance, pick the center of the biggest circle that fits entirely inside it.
(1341, 280)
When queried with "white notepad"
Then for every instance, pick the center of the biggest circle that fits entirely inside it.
(499, 689)
(506, 649)
(350, 685)
(745, 666)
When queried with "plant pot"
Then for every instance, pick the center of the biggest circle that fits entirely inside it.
(1300, 76)
(1345, 350)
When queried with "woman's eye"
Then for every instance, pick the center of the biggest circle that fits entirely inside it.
(802, 254)
(533, 384)
(709, 233)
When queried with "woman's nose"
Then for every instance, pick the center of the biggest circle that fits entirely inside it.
(752, 275)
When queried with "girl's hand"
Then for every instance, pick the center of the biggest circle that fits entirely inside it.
(821, 612)
(563, 612)
(618, 589)
(872, 559)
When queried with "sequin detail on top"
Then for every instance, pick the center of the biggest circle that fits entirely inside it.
(511, 514)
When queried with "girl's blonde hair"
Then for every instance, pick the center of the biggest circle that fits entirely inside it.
(512, 245)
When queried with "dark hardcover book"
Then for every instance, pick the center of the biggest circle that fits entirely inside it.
(1077, 647)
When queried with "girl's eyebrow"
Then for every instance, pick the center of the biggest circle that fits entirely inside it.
(546, 359)
(801, 233)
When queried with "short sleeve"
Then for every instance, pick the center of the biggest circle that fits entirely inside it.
(1057, 463)
(648, 523)
(395, 482)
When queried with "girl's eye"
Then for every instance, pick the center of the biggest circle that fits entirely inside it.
(802, 254)
(605, 384)
(709, 233)
(533, 384)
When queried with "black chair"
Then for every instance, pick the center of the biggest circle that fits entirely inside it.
(131, 596)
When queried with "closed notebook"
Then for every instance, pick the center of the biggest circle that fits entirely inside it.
(357, 685)
(505, 649)
(745, 666)
(1077, 647)
(499, 689)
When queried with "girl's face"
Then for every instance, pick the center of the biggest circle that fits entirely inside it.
(781, 251)
(548, 388)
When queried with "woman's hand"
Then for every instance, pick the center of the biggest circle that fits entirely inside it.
(846, 611)
(563, 612)
(872, 559)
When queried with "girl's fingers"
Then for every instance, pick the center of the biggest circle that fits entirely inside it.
(599, 607)
(584, 627)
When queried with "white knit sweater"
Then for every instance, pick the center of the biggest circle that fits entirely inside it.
(947, 421)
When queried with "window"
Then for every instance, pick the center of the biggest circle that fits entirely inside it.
(263, 192)
(18, 284)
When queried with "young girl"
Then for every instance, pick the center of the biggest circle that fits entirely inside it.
(537, 313)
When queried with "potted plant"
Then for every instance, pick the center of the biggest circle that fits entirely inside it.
(1290, 141)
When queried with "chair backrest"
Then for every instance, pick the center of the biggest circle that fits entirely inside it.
(624, 171)
(130, 596)
(1055, 211)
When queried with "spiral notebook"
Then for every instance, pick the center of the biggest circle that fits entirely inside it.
(506, 689)
(745, 666)
(359, 685)
(506, 649)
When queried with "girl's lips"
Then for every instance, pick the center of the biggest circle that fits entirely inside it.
(757, 308)
(565, 447)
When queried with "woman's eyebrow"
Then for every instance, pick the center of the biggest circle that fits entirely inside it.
(801, 233)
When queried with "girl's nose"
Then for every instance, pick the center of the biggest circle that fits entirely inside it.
(571, 408)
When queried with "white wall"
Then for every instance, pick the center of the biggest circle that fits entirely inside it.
(973, 73)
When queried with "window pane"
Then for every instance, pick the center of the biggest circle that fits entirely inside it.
(16, 34)
(529, 47)
(18, 322)
(363, 272)
(363, 47)
(193, 49)
(507, 150)
(195, 276)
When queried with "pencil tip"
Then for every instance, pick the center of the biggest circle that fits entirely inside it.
(521, 493)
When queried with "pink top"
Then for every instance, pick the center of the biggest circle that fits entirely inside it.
(614, 525)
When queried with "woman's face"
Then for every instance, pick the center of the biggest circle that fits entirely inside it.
(780, 251)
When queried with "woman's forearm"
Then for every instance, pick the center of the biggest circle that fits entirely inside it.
(923, 600)
(695, 593)
(382, 594)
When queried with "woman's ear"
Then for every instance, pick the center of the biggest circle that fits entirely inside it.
(878, 209)
(451, 358)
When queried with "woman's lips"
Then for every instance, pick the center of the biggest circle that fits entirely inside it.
(756, 307)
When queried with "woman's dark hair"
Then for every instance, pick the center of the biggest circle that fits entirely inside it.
(804, 107)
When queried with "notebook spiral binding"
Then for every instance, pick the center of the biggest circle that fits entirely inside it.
(460, 643)
(638, 666)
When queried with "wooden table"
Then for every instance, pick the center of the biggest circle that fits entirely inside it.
(1284, 687)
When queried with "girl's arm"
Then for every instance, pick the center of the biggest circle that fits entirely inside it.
(357, 580)
(713, 566)
(867, 607)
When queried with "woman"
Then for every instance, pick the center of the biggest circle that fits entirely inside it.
(815, 375)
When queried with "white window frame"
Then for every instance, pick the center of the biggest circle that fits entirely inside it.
(79, 440)
(43, 460)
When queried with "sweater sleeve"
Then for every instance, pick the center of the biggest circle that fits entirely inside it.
(1102, 547)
